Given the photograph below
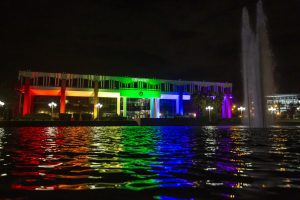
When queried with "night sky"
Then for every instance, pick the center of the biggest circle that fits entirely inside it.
(171, 39)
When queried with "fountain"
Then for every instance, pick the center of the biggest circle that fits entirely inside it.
(258, 67)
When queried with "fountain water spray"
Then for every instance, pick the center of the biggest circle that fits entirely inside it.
(258, 67)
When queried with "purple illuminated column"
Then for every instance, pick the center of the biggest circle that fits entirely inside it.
(226, 107)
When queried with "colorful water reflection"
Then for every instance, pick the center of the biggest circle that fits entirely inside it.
(166, 162)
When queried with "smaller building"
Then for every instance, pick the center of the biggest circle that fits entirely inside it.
(286, 105)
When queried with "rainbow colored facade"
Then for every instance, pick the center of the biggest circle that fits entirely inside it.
(62, 86)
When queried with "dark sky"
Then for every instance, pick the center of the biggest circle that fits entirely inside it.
(172, 39)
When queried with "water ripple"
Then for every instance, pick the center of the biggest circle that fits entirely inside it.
(225, 162)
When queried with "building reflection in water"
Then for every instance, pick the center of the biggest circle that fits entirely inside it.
(34, 158)
(104, 157)
(226, 153)
(283, 146)
(155, 158)
(50, 155)
(174, 157)
(221, 162)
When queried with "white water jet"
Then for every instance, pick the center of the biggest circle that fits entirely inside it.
(258, 67)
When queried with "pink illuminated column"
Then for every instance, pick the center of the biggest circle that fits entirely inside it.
(27, 97)
(226, 107)
(63, 96)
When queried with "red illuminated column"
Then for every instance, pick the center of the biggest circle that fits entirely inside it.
(63, 96)
(27, 97)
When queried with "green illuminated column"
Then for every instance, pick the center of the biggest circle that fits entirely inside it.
(118, 106)
(124, 106)
(95, 99)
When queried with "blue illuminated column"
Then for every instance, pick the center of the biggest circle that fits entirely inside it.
(179, 101)
(157, 108)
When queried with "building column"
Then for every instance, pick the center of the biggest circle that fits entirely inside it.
(152, 108)
(157, 108)
(96, 100)
(27, 97)
(18, 110)
(179, 101)
(226, 107)
(124, 106)
(118, 106)
(63, 96)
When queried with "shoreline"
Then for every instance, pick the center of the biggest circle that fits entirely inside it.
(137, 122)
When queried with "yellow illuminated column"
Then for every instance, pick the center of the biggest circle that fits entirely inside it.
(118, 106)
(124, 106)
(95, 99)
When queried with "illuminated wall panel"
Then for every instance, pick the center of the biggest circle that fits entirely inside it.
(136, 93)
(74, 93)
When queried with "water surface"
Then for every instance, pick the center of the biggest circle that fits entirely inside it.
(157, 162)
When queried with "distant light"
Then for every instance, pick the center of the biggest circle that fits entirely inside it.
(2, 103)
(99, 105)
(195, 115)
(209, 108)
(271, 109)
(52, 105)
(241, 108)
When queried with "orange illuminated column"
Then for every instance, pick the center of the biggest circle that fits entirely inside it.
(63, 96)
(95, 99)
(27, 97)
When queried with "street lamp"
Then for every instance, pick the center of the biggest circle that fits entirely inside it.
(98, 106)
(272, 109)
(52, 105)
(241, 108)
(209, 108)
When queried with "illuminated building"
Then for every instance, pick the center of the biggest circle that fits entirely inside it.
(283, 102)
(120, 96)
